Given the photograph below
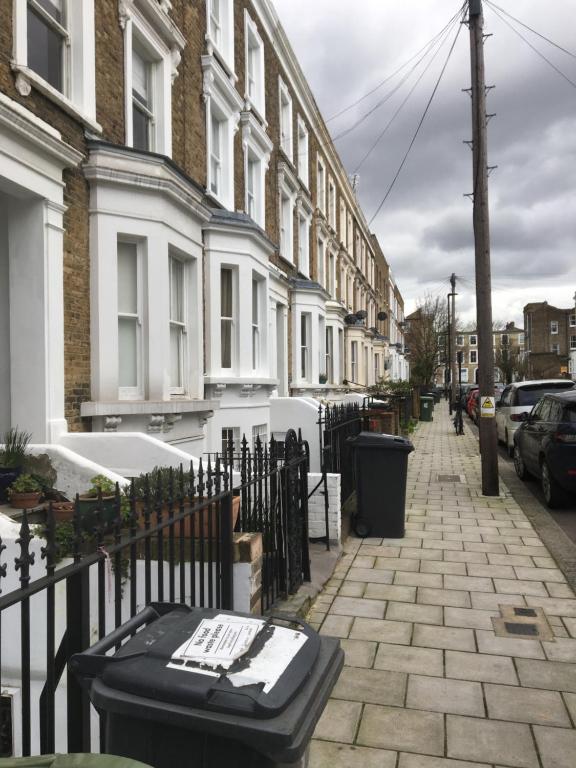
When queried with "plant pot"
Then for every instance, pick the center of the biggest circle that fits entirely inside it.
(88, 506)
(25, 500)
(63, 511)
(192, 521)
(7, 477)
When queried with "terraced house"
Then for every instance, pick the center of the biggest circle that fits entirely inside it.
(180, 242)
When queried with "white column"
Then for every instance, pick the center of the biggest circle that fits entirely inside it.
(157, 303)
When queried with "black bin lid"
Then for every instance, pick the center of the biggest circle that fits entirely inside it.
(144, 666)
(381, 441)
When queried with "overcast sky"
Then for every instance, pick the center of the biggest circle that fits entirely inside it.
(347, 47)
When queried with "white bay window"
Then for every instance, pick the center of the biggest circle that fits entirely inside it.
(227, 309)
(177, 321)
(130, 384)
(304, 245)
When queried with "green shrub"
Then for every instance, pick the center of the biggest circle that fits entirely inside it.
(25, 484)
(15, 444)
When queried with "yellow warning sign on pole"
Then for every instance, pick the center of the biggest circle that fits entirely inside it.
(487, 407)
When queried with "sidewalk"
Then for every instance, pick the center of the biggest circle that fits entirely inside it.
(428, 682)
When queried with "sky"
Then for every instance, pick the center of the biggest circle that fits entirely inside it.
(348, 47)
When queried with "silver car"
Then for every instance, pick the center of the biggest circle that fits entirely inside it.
(519, 398)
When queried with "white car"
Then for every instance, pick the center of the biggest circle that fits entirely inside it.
(518, 398)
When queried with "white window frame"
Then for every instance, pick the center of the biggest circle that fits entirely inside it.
(321, 185)
(464, 376)
(304, 223)
(350, 235)
(259, 431)
(320, 261)
(231, 320)
(287, 196)
(182, 324)
(304, 346)
(572, 320)
(332, 203)
(553, 327)
(136, 392)
(257, 320)
(555, 348)
(78, 95)
(286, 123)
(504, 340)
(224, 45)
(343, 222)
(473, 340)
(353, 361)
(147, 26)
(257, 148)
(253, 43)
(572, 342)
(303, 163)
(473, 357)
(329, 354)
(225, 434)
(223, 103)
(459, 341)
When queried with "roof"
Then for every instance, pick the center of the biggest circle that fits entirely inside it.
(565, 397)
(544, 382)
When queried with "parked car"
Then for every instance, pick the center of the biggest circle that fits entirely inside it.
(545, 446)
(471, 403)
(519, 398)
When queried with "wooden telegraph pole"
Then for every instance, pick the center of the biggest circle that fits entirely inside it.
(487, 424)
(453, 375)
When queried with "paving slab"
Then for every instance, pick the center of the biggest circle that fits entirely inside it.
(551, 675)
(557, 746)
(453, 638)
(436, 694)
(480, 666)
(339, 721)
(374, 686)
(424, 614)
(401, 658)
(381, 631)
(490, 741)
(526, 705)
(353, 606)
(426, 761)
(326, 754)
(451, 597)
(488, 642)
(402, 729)
(359, 653)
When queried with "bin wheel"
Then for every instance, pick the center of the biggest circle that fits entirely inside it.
(362, 528)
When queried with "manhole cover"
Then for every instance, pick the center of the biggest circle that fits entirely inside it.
(530, 630)
(449, 479)
(525, 612)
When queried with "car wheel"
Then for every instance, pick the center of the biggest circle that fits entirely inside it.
(519, 465)
(553, 494)
(509, 448)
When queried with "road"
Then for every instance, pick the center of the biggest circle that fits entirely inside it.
(565, 517)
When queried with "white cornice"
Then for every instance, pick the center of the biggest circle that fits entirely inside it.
(31, 129)
(217, 83)
(254, 134)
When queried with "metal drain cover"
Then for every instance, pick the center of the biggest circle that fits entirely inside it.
(525, 612)
(522, 629)
(522, 623)
(449, 478)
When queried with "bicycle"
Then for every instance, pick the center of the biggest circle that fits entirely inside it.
(458, 422)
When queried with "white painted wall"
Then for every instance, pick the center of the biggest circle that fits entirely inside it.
(317, 512)
(73, 471)
(294, 412)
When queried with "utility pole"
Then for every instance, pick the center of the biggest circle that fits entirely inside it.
(487, 423)
(448, 352)
(453, 371)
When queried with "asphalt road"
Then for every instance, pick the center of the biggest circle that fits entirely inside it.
(565, 517)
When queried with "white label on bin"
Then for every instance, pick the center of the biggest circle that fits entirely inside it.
(272, 660)
(217, 642)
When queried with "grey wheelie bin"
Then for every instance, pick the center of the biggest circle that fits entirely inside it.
(205, 688)
(381, 464)
(70, 761)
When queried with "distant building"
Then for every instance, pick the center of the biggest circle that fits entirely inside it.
(550, 340)
(509, 348)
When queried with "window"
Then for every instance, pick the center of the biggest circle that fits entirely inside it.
(129, 322)
(554, 327)
(304, 245)
(220, 23)
(255, 324)
(460, 341)
(251, 169)
(473, 340)
(349, 234)
(177, 325)
(321, 187)
(329, 354)
(303, 158)
(48, 38)
(216, 131)
(473, 356)
(521, 339)
(321, 255)
(331, 274)
(257, 148)
(259, 434)
(332, 204)
(286, 244)
(555, 349)
(285, 120)
(354, 361)
(304, 346)
(572, 320)
(142, 105)
(464, 376)
(230, 440)
(376, 367)
(504, 340)
(226, 317)
(255, 87)
(572, 341)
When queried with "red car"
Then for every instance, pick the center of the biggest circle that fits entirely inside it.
(472, 404)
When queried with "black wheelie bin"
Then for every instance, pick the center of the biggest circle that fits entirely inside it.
(206, 688)
(70, 761)
(381, 463)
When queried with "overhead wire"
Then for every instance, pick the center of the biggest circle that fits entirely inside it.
(419, 126)
(533, 47)
(425, 48)
(534, 31)
(406, 99)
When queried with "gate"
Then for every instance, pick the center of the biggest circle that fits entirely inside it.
(336, 424)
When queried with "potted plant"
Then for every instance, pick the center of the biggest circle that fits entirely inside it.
(25, 492)
(101, 496)
(12, 457)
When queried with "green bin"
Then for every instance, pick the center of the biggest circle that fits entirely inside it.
(426, 408)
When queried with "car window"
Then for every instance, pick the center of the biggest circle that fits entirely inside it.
(505, 399)
(537, 412)
(569, 414)
(530, 395)
(555, 414)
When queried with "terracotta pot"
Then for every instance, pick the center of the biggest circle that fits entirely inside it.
(25, 500)
(63, 511)
(207, 514)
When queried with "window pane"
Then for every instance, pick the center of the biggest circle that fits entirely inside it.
(127, 352)
(176, 290)
(226, 293)
(140, 129)
(54, 8)
(216, 132)
(127, 279)
(226, 343)
(175, 356)
(140, 78)
(45, 46)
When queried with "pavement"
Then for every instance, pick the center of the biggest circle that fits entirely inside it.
(460, 638)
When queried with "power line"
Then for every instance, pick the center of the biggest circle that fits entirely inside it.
(411, 91)
(428, 105)
(547, 39)
(538, 52)
(429, 44)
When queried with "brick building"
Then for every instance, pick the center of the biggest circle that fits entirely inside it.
(181, 240)
(509, 340)
(550, 340)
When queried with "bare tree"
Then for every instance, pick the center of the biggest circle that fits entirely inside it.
(426, 339)
(510, 362)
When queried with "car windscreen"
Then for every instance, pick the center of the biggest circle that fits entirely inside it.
(527, 396)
